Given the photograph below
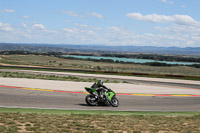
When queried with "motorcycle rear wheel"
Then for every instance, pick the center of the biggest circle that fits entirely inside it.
(91, 100)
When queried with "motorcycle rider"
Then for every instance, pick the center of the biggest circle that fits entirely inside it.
(100, 88)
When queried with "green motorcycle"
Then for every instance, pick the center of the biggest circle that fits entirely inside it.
(106, 97)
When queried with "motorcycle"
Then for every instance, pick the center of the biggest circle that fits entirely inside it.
(95, 97)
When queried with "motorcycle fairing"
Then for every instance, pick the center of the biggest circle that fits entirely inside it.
(90, 90)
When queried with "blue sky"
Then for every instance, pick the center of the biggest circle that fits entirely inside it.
(108, 22)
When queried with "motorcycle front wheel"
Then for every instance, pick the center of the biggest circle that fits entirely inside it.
(91, 100)
(114, 102)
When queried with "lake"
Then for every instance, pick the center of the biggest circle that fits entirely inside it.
(128, 59)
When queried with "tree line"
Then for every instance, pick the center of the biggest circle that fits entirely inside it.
(156, 57)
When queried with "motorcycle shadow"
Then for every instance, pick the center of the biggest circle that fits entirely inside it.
(86, 105)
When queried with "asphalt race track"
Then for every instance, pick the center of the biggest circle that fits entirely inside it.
(13, 97)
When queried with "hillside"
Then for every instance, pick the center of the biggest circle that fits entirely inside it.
(97, 48)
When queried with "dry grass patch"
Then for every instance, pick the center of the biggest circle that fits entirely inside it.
(18, 122)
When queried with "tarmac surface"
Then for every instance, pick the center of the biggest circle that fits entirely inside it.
(145, 94)
(13, 97)
(144, 88)
(71, 95)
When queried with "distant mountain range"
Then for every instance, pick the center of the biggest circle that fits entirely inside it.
(98, 48)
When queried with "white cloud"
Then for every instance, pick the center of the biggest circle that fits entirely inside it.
(24, 25)
(27, 17)
(79, 31)
(179, 29)
(178, 19)
(74, 14)
(39, 26)
(96, 15)
(5, 27)
(80, 35)
(168, 1)
(173, 35)
(71, 30)
(149, 34)
(7, 11)
(81, 25)
(114, 28)
(183, 35)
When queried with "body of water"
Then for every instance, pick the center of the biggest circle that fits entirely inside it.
(128, 59)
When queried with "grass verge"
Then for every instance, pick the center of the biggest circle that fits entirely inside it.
(94, 112)
(103, 73)
(50, 77)
(50, 120)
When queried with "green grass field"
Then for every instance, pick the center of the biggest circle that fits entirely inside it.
(49, 120)
(49, 61)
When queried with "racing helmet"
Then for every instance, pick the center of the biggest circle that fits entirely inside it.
(100, 82)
